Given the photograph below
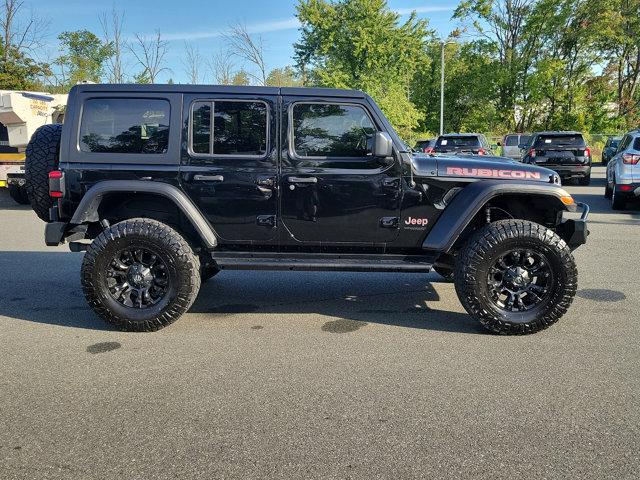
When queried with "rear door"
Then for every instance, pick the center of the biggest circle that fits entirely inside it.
(560, 149)
(334, 192)
(230, 164)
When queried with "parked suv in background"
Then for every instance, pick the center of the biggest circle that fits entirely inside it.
(564, 152)
(463, 143)
(425, 146)
(623, 172)
(511, 145)
(163, 186)
(610, 149)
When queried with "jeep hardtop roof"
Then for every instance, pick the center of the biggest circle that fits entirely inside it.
(226, 89)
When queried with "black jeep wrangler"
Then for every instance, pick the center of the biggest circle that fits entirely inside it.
(164, 186)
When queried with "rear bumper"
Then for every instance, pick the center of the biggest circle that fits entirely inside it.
(569, 171)
(575, 231)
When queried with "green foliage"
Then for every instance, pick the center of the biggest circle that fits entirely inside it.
(362, 44)
(84, 57)
(20, 72)
(283, 77)
(240, 78)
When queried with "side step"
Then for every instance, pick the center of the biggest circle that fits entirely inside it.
(322, 262)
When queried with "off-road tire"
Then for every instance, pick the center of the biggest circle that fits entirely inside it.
(446, 273)
(19, 194)
(485, 246)
(183, 272)
(42, 157)
(618, 202)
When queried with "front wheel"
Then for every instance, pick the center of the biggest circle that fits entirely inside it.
(516, 277)
(140, 275)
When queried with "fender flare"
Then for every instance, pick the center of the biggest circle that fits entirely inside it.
(87, 210)
(468, 202)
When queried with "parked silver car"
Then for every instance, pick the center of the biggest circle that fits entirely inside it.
(511, 145)
(623, 172)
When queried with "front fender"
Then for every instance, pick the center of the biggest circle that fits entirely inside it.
(87, 210)
(471, 199)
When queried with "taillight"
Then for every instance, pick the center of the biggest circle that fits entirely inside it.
(482, 152)
(625, 188)
(532, 153)
(587, 152)
(428, 150)
(630, 159)
(56, 184)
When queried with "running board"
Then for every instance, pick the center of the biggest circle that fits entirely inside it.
(322, 262)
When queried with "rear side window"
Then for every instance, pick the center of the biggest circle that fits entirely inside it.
(454, 142)
(233, 128)
(511, 141)
(125, 125)
(525, 139)
(560, 141)
(636, 143)
(331, 130)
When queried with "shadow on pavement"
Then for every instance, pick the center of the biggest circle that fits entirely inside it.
(44, 287)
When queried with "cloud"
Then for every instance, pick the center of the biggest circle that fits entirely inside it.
(291, 23)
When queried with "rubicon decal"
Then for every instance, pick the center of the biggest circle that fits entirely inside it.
(493, 173)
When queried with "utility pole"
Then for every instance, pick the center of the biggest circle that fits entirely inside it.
(442, 43)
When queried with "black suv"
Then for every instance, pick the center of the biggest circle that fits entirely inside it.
(564, 152)
(164, 186)
(463, 143)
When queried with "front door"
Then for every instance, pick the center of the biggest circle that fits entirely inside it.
(230, 165)
(334, 192)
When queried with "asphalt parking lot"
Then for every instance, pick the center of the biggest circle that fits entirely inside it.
(319, 375)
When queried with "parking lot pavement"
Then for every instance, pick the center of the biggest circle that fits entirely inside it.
(318, 375)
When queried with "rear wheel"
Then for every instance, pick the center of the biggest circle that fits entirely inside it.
(607, 189)
(140, 275)
(585, 181)
(516, 277)
(618, 202)
(19, 194)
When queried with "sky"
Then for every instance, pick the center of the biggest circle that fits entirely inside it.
(202, 22)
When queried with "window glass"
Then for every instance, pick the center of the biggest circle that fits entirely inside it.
(511, 141)
(561, 140)
(239, 128)
(525, 139)
(125, 125)
(458, 141)
(332, 130)
(636, 143)
(201, 127)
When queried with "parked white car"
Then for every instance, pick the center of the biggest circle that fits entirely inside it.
(623, 172)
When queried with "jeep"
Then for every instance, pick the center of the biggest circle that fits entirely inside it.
(163, 186)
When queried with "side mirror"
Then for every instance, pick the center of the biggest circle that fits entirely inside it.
(382, 145)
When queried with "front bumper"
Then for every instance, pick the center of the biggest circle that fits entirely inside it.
(575, 231)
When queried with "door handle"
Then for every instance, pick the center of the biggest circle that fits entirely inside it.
(303, 180)
(208, 178)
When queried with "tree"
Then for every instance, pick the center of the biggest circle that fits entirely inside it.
(21, 35)
(240, 78)
(221, 68)
(83, 58)
(150, 53)
(362, 44)
(283, 77)
(192, 61)
(242, 45)
(112, 29)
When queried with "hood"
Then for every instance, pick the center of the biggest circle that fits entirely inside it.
(499, 168)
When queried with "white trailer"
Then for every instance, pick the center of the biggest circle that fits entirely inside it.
(21, 113)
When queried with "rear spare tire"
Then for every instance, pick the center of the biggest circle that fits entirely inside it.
(42, 157)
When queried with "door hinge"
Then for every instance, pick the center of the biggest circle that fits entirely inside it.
(266, 221)
(389, 222)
